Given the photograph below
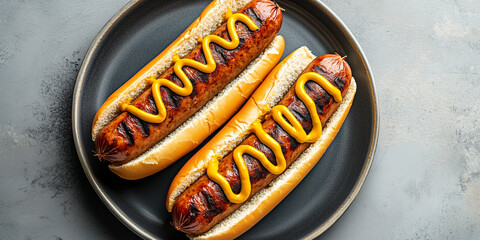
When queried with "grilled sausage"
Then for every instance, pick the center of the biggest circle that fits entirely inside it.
(127, 136)
(204, 204)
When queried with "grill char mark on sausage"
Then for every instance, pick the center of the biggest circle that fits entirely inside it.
(126, 132)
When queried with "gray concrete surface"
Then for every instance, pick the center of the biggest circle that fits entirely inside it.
(425, 179)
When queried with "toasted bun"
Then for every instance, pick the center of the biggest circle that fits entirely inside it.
(210, 19)
(205, 121)
(267, 95)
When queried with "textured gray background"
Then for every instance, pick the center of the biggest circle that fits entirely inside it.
(425, 179)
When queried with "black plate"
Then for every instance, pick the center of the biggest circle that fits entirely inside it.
(141, 30)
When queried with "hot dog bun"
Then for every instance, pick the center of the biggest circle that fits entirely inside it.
(266, 96)
(205, 121)
(209, 20)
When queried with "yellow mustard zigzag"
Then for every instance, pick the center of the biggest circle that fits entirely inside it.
(180, 63)
(292, 127)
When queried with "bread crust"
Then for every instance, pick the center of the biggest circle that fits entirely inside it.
(266, 199)
(214, 114)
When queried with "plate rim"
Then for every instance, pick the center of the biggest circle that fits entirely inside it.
(113, 208)
(375, 125)
(138, 230)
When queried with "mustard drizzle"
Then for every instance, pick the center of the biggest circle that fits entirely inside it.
(180, 63)
(280, 114)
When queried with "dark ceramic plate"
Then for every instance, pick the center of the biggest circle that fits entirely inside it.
(141, 30)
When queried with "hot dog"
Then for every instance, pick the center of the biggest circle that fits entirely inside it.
(166, 119)
(201, 205)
